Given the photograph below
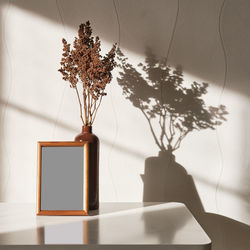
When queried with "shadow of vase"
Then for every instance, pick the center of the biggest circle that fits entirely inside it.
(167, 181)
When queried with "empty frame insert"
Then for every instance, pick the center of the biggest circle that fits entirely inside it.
(62, 186)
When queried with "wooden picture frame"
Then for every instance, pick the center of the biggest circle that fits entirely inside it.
(54, 158)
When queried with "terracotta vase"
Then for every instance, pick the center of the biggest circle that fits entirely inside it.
(93, 140)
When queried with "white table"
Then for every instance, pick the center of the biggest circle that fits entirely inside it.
(141, 226)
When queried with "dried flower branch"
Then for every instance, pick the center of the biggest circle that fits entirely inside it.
(86, 65)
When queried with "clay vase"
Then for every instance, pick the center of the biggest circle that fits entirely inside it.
(86, 135)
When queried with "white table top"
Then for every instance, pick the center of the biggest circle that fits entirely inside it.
(166, 224)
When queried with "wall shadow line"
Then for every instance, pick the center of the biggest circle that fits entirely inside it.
(134, 32)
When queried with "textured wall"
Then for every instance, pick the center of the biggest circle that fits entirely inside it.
(209, 39)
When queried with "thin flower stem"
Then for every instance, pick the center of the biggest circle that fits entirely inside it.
(91, 105)
(79, 100)
(85, 106)
(88, 105)
(96, 109)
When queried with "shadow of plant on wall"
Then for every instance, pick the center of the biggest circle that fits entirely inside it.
(160, 93)
(174, 109)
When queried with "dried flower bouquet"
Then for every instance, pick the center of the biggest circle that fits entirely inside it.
(85, 65)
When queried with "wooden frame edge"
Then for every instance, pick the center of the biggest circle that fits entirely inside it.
(38, 190)
(63, 212)
(85, 210)
(86, 176)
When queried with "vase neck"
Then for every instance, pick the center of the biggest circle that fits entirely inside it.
(86, 129)
(167, 155)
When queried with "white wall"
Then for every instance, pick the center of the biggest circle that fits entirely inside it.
(36, 104)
